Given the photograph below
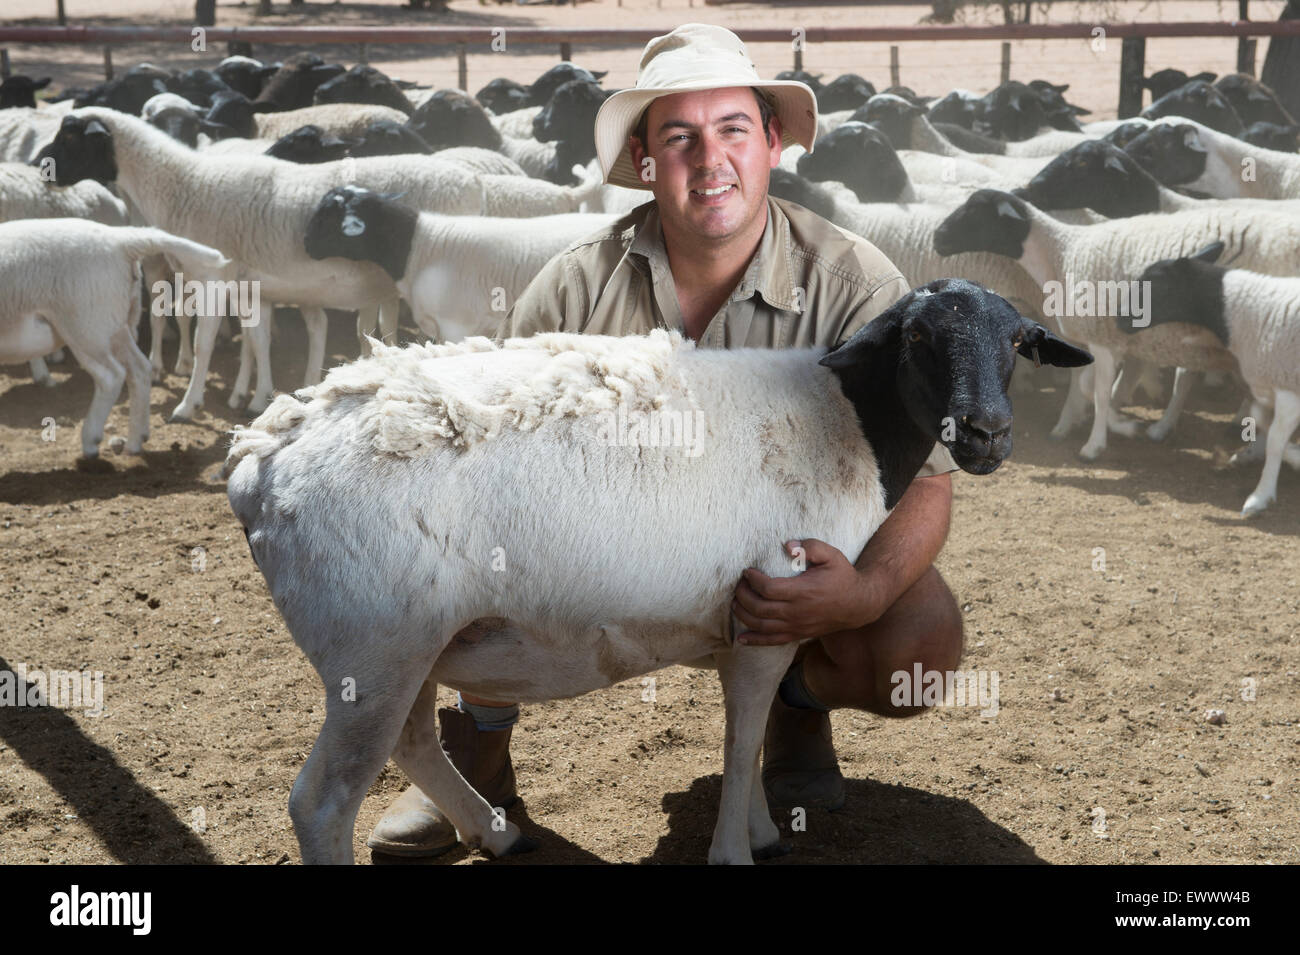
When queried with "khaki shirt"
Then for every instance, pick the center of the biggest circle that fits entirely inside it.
(810, 284)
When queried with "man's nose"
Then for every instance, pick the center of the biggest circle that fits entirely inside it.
(708, 151)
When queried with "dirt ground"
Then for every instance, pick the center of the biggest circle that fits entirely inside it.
(1100, 752)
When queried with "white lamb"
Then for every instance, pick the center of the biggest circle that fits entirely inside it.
(517, 124)
(459, 274)
(378, 504)
(77, 283)
(340, 119)
(1257, 317)
(24, 132)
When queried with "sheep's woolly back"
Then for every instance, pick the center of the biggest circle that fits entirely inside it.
(406, 404)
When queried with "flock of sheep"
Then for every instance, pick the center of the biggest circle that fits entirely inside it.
(333, 188)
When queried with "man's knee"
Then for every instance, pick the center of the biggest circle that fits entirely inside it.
(859, 667)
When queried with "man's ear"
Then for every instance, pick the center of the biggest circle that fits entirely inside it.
(871, 337)
(1050, 349)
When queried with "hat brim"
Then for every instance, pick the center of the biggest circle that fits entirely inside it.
(793, 102)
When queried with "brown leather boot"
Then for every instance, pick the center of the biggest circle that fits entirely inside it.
(799, 765)
(413, 825)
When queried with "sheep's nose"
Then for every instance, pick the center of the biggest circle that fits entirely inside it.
(988, 426)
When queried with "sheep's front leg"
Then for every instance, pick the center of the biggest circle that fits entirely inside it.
(184, 357)
(367, 319)
(205, 341)
(317, 327)
(1103, 372)
(1286, 416)
(41, 372)
(1076, 400)
(750, 676)
(388, 315)
(420, 755)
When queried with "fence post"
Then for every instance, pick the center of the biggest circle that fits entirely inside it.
(4, 62)
(63, 16)
(1245, 44)
(1132, 69)
(363, 54)
(893, 66)
(798, 59)
(1006, 62)
(108, 62)
(566, 51)
(462, 68)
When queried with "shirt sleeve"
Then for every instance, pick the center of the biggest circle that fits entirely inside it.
(546, 305)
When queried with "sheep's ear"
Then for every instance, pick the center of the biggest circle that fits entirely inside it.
(96, 128)
(1043, 347)
(1113, 162)
(1210, 253)
(1005, 208)
(870, 337)
(1192, 140)
(41, 84)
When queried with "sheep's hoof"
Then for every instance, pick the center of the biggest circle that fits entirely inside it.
(1090, 453)
(1125, 427)
(1247, 455)
(1157, 433)
(520, 846)
(236, 400)
(773, 851)
(184, 367)
(46, 382)
(1059, 434)
(182, 413)
(1255, 506)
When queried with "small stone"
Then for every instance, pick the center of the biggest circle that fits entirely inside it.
(1216, 717)
(117, 445)
(1057, 695)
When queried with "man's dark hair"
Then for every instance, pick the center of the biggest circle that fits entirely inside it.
(765, 114)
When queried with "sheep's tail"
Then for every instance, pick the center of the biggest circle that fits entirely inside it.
(189, 256)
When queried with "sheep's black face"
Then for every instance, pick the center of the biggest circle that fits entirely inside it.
(81, 149)
(450, 118)
(892, 115)
(989, 221)
(504, 96)
(847, 91)
(1282, 137)
(941, 359)
(355, 223)
(19, 91)
(1012, 111)
(570, 116)
(544, 87)
(1200, 101)
(859, 156)
(787, 185)
(308, 144)
(363, 84)
(232, 111)
(1125, 133)
(1252, 100)
(1172, 152)
(180, 124)
(246, 78)
(386, 138)
(1094, 175)
(197, 86)
(956, 109)
(1187, 289)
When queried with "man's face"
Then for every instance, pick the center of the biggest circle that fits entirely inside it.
(706, 141)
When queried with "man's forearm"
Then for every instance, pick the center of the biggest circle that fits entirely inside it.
(906, 544)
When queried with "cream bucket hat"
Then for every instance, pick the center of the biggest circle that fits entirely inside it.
(695, 56)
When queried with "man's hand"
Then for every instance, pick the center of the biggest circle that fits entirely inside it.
(829, 596)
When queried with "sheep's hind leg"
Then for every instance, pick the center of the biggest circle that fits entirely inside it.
(750, 676)
(367, 700)
(205, 340)
(420, 755)
(1103, 370)
(1183, 381)
(1076, 403)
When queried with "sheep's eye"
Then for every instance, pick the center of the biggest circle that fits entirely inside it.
(914, 337)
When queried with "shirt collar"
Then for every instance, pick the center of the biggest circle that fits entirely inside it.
(768, 273)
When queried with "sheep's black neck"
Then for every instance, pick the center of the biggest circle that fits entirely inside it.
(392, 246)
(901, 447)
